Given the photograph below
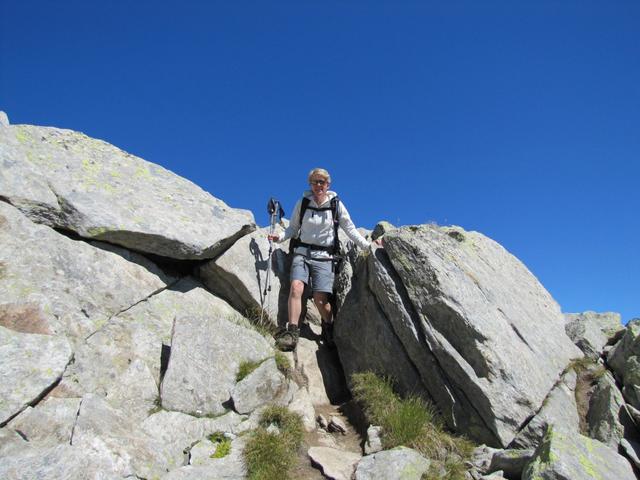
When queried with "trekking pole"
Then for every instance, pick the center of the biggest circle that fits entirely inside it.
(275, 210)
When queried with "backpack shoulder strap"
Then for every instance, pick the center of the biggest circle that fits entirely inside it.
(303, 208)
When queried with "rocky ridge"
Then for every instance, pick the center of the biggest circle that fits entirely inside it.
(117, 364)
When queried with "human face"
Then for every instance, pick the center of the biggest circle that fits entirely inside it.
(319, 186)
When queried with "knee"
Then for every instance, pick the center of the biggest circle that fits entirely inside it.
(321, 299)
(297, 289)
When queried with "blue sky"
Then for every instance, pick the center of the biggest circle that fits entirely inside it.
(520, 120)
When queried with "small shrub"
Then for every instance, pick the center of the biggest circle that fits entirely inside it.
(270, 456)
(245, 369)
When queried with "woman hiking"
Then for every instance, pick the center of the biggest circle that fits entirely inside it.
(313, 231)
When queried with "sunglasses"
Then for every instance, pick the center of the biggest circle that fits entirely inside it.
(318, 182)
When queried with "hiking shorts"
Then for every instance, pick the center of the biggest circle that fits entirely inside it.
(321, 273)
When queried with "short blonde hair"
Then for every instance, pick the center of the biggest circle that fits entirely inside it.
(321, 172)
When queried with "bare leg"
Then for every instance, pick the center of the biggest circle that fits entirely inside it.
(321, 300)
(295, 301)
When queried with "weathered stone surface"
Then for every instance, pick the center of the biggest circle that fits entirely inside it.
(25, 373)
(591, 331)
(320, 368)
(559, 410)
(129, 349)
(70, 181)
(336, 424)
(51, 422)
(631, 388)
(4, 119)
(178, 431)
(563, 456)
(263, 386)
(206, 352)
(57, 462)
(230, 466)
(335, 464)
(632, 451)
(454, 314)
(241, 276)
(110, 434)
(400, 463)
(11, 442)
(380, 229)
(628, 346)
(62, 286)
(301, 404)
(511, 462)
(605, 412)
(374, 440)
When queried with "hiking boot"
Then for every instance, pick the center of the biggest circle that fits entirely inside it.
(327, 334)
(287, 338)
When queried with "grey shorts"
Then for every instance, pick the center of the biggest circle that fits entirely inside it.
(321, 273)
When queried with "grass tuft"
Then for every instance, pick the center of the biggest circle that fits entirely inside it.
(223, 445)
(411, 422)
(268, 455)
(283, 364)
(245, 368)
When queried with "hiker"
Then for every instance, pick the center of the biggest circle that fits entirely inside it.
(313, 231)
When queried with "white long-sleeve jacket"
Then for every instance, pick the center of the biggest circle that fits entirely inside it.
(317, 227)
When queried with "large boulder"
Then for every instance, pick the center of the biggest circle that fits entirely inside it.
(453, 313)
(206, 352)
(244, 277)
(591, 331)
(73, 182)
(627, 347)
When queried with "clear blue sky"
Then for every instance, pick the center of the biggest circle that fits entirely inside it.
(518, 119)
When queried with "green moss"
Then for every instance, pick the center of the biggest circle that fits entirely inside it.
(23, 135)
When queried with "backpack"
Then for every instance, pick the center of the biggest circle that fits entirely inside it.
(333, 206)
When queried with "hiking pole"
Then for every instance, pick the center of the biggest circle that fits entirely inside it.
(275, 210)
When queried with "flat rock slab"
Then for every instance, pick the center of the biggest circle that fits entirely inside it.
(55, 463)
(206, 352)
(25, 372)
(50, 422)
(335, 464)
(400, 463)
(575, 457)
(70, 181)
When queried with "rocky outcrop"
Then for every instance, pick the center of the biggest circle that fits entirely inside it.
(452, 313)
(591, 331)
(69, 181)
(203, 365)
